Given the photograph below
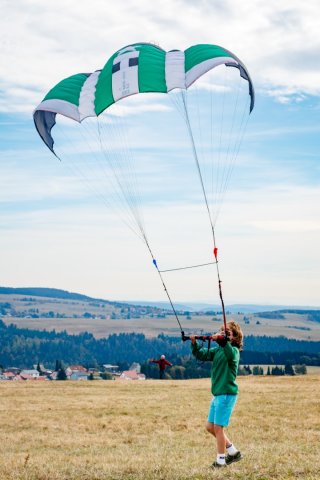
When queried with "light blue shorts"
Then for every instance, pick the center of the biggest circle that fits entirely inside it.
(221, 408)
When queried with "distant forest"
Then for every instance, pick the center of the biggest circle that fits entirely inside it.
(23, 348)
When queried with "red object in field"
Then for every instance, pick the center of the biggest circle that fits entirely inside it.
(215, 252)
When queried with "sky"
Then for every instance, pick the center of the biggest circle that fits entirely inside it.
(56, 232)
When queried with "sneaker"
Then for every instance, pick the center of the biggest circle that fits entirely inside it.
(218, 465)
(233, 458)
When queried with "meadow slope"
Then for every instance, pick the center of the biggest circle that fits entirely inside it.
(155, 430)
(71, 315)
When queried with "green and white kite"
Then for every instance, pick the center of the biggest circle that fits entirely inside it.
(137, 68)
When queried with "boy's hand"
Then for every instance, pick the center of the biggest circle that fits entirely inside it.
(193, 339)
(222, 339)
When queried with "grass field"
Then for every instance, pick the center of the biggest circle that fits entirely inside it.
(155, 430)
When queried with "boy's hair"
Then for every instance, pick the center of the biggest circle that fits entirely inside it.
(237, 340)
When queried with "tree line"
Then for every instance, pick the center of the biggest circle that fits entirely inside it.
(188, 368)
(23, 347)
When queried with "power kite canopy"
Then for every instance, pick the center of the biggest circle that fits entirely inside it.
(183, 76)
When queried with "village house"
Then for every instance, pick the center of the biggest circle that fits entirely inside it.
(135, 366)
(131, 375)
(13, 370)
(111, 368)
(8, 375)
(77, 368)
(29, 374)
(76, 375)
(73, 372)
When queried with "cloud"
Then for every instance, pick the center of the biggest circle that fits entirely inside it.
(50, 40)
(289, 226)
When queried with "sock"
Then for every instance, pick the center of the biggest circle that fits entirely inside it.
(232, 449)
(221, 458)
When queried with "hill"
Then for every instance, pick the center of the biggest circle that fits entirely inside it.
(232, 308)
(190, 306)
(44, 292)
(60, 310)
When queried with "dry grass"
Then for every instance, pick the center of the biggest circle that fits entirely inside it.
(155, 430)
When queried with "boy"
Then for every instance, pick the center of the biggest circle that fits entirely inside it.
(225, 362)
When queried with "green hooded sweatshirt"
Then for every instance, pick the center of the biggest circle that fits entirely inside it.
(225, 362)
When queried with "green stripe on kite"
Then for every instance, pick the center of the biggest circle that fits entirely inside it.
(68, 89)
(103, 96)
(200, 53)
(151, 76)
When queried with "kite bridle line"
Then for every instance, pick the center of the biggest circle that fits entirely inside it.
(215, 249)
(184, 337)
(163, 284)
